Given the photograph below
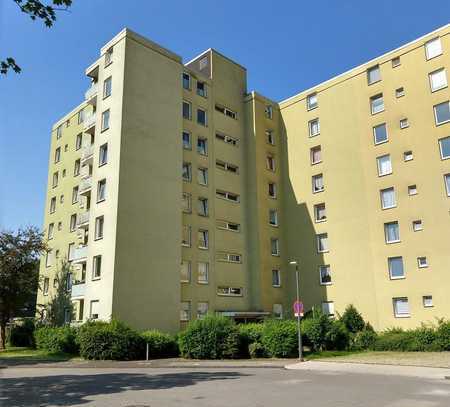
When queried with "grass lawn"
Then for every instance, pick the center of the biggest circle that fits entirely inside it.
(330, 354)
(33, 354)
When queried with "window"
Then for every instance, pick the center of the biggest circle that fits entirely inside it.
(185, 272)
(201, 117)
(325, 275)
(59, 132)
(103, 155)
(186, 81)
(186, 202)
(185, 311)
(229, 291)
(399, 92)
(105, 120)
(270, 137)
(51, 228)
(203, 273)
(66, 148)
(317, 183)
(202, 310)
(76, 168)
(229, 257)
(404, 123)
(46, 285)
(71, 251)
(427, 301)
(433, 48)
(101, 190)
(395, 62)
(316, 155)
(81, 116)
(444, 146)
(61, 199)
(227, 225)
(388, 199)
(108, 56)
(391, 232)
(320, 213)
(49, 258)
(314, 127)
(311, 101)
(94, 311)
(277, 311)
(438, 79)
(55, 179)
(269, 111)
(59, 225)
(203, 239)
(186, 236)
(401, 307)
(322, 243)
(58, 155)
(408, 156)
(96, 267)
(412, 190)
(373, 75)
(376, 104)
(270, 162)
(64, 172)
(187, 110)
(227, 139)
(417, 225)
(99, 223)
(447, 183)
(442, 113)
(73, 222)
(227, 167)
(78, 141)
(53, 204)
(107, 86)
(272, 190)
(226, 111)
(203, 206)
(229, 196)
(422, 262)
(276, 278)
(384, 165)
(380, 133)
(328, 308)
(202, 146)
(186, 172)
(186, 140)
(273, 217)
(396, 270)
(274, 247)
(201, 89)
(202, 176)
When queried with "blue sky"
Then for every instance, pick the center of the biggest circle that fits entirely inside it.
(286, 46)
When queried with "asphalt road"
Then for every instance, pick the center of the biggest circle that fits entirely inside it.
(210, 387)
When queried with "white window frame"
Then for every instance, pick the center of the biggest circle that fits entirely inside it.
(97, 267)
(328, 308)
(382, 201)
(275, 246)
(417, 225)
(312, 150)
(273, 212)
(412, 190)
(422, 262)
(383, 174)
(189, 146)
(431, 53)
(317, 207)
(447, 183)
(320, 236)
(106, 120)
(375, 68)
(396, 313)
(309, 105)
(426, 298)
(441, 150)
(276, 273)
(391, 276)
(99, 227)
(374, 130)
(372, 99)
(386, 232)
(433, 74)
(327, 268)
(314, 178)
(189, 104)
(188, 230)
(206, 270)
(311, 126)
(185, 263)
(435, 113)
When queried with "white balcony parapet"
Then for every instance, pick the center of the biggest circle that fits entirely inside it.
(78, 289)
(91, 92)
(79, 254)
(85, 185)
(83, 219)
(87, 152)
(89, 121)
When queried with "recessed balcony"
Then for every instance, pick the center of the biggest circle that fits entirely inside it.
(78, 290)
(83, 220)
(91, 94)
(87, 154)
(79, 255)
(89, 123)
(85, 186)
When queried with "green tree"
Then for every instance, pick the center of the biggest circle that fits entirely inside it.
(352, 319)
(19, 271)
(37, 10)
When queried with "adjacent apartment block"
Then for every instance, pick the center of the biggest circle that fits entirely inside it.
(173, 191)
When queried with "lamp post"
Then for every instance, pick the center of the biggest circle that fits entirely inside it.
(300, 350)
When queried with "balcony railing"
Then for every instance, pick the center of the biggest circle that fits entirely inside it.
(78, 289)
(79, 254)
(83, 219)
(89, 121)
(85, 185)
(91, 92)
(87, 152)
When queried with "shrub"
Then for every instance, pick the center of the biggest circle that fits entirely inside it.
(56, 340)
(443, 335)
(394, 340)
(160, 345)
(352, 319)
(22, 333)
(279, 338)
(337, 337)
(249, 334)
(314, 331)
(423, 339)
(364, 339)
(213, 337)
(256, 350)
(109, 341)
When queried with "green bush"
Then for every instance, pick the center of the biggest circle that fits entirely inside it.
(160, 345)
(213, 337)
(256, 350)
(249, 334)
(443, 336)
(279, 338)
(109, 341)
(315, 330)
(337, 337)
(22, 333)
(56, 340)
(352, 319)
(394, 340)
(364, 339)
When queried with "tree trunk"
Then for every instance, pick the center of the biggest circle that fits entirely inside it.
(2, 335)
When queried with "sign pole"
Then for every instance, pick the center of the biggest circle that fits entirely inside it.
(300, 350)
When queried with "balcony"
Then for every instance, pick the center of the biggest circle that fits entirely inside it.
(91, 94)
(78, 289)
(83, 220)
(87, 154)
(85, 186)
(79, 255)
(89, 123)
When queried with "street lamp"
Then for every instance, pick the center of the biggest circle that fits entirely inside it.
(300, 350)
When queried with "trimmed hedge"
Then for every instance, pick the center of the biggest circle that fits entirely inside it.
(56, 340)
(213, 337)
(109, 341)
(279, 338)
(22, 334)
(315, 331)
(160, 345)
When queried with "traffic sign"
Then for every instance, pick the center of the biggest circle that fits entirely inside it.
(298, 308)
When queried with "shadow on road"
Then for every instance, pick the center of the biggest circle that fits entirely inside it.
(71, 390)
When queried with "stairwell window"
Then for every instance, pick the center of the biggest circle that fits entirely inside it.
(325, 275)
(103, 155)
(320, 213)
(105, 120)
(316, 155)
(55, 179)
(396, 269)
(270, 137)
(427, 301)
(399, 92)
(276, 278)
(314, 127)
(322, 243)
(107, 87)
(433, 48)
(380, 133)
(376, 104)
(395, 62)
(328, 308)
(277, 311)
(373, 75)
(317, 183)
(442, 113)
(408, 156)
(96, 267)
(391, 232)
(388, 199)
(438, 80)
(384, 165)
(417, 225)
(51, 228)
(269, 111)
(412, 190)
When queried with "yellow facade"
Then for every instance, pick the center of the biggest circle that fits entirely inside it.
(203, 176)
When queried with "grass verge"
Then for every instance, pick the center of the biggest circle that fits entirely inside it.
(11, 353)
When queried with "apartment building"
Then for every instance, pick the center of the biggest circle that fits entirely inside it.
(174, 192)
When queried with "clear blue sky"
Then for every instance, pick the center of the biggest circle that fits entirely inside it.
(286, 45)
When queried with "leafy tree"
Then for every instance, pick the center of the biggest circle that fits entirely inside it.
(19, 271)
(352, 319)
(37, 10)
